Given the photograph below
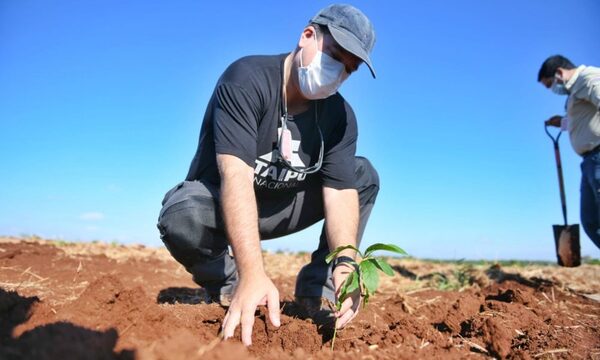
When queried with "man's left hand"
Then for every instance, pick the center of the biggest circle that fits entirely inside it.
(350, 306)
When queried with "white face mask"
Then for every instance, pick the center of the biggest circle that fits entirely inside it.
(558, 88)
(322, 77)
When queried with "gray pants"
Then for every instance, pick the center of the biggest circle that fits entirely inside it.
(192, 228)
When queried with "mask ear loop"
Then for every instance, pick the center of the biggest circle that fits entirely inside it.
(316, 48)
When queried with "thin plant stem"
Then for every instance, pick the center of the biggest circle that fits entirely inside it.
(334, 334)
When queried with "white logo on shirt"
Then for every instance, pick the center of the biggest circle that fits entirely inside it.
(268, 174)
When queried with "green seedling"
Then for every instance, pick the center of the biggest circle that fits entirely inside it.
(365, 276)
(460, 277)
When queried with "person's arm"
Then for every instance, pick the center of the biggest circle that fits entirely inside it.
(341, 224)
(241, 223)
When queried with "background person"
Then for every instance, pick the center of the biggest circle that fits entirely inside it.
(582, 86)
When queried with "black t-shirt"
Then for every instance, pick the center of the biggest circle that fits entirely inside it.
(243, 118)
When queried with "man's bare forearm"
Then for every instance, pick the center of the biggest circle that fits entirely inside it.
(341, 218)
(240, 213)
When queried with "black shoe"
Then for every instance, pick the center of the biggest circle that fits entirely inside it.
(183, 295)
(222, 299)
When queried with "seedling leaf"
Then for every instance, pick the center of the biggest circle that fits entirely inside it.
(339, 249)
(349, 286)
(383, 266)
(387, 247)
(370, 276)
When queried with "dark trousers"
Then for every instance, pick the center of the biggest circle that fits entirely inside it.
(590, 196)
(191, 226)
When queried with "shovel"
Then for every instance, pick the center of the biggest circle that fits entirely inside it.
(566, 237)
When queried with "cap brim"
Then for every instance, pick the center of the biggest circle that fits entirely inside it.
(351, 44)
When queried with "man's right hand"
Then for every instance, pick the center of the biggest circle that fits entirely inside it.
(351, 305)
(554, 121)
(241, 222)
(252, 291)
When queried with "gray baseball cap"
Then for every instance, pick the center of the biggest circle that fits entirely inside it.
(350, 28)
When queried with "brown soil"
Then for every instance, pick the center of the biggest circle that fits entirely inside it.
(63, 301)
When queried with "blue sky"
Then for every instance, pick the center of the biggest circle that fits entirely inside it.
(101, 103)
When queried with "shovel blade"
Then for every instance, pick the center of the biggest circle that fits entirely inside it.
(566, 242)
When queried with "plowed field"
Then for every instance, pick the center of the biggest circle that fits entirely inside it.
(84, 300)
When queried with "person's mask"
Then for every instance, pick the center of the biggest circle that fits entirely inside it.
(558, 88)
(322, 77)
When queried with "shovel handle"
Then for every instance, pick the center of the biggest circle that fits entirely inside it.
(561, 183)
(554, 138)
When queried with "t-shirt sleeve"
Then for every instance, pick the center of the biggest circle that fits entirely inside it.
(236, 117)
(339, 159)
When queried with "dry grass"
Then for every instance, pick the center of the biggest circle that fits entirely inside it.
(412, 274)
